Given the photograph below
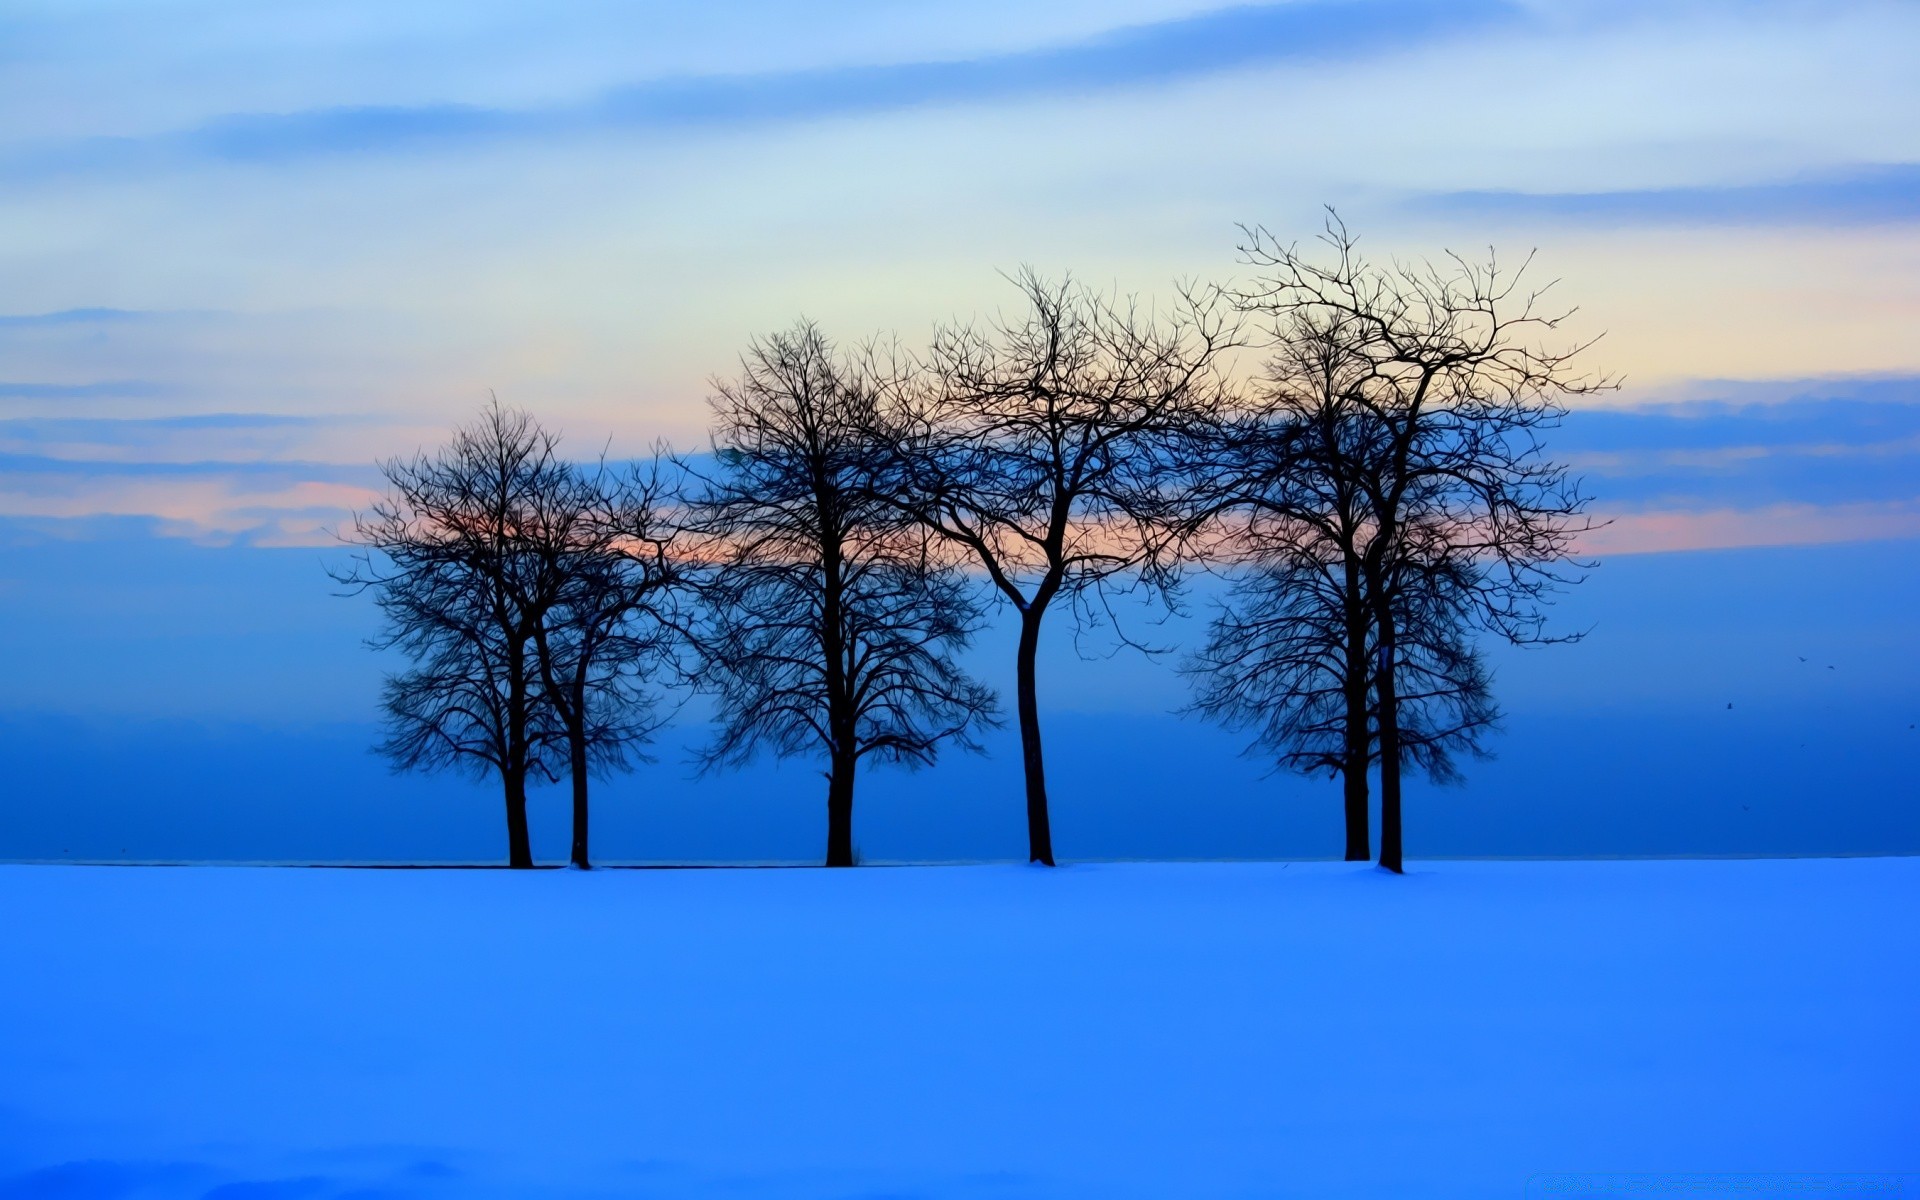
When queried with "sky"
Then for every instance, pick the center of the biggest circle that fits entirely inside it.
(247, 250)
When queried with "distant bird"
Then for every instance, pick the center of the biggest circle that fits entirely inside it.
(1729, 704)
(1801, 657)
(1743, 808)
(1829, 666)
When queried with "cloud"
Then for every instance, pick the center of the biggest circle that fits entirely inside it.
(262, 503)
(82, 391)
(78, 426)
(1819, 459)
(1143, 55)
(1657, 531)
(1865, 195)
(227, 437)
(50, 470)
(1818, 442)
(71, 316)
(1767, 463)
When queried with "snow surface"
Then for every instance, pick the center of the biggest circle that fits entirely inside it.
(1168, 1030)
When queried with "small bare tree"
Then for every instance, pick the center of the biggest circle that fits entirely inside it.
(1040, 446)
(831, 620)
(444, 555)
(1462, 517)
(532, 597)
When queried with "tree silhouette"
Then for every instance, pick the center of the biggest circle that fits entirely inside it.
(1039, 445)
(831, 621)
(1290, 655)
(532, 597)
(445, 556)
(1464, 519)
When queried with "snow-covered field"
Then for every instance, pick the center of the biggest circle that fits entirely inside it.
(1304, 1030)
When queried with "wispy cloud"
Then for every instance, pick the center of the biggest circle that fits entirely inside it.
(1867, 195)
(261, 503)
(1785, 399)
(70, 427)
(1864, 414)
(73, 473)
(1819, 460)
(1830, 444)
(162, 442)
(1722, 528)
(109, 388)
(71, 316)
(1145, 55)
(1772, 463)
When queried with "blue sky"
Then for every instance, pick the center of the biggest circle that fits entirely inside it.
(245, 250)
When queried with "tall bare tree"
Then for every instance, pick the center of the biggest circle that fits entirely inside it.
(832, 619)
(1040, 446)
(1290, 655)
(1451, 395)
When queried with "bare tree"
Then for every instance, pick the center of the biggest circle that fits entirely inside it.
(530, 595)
(444, 555)
(1039, 445)
(1290, 654)
(1462, 513)
(832, 621)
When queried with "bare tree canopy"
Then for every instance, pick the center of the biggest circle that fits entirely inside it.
(1290, 655)
(442, 554)
(831, 620)
(1433, 399)
(1040, 445)
(1283, 661)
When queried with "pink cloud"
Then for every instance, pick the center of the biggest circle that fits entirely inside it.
(209, 509)
(220, 508)
(1774, 525)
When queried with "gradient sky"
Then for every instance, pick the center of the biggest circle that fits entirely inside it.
(246, 249)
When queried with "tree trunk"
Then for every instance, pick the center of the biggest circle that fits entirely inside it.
(1359, 837)
(840, 811)
(519, 846)
(517, 759)
(1359, 736)
(1389, 752)
(1039, 830)
(577, 747)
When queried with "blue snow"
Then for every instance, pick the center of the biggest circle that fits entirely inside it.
(1311, 1030)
